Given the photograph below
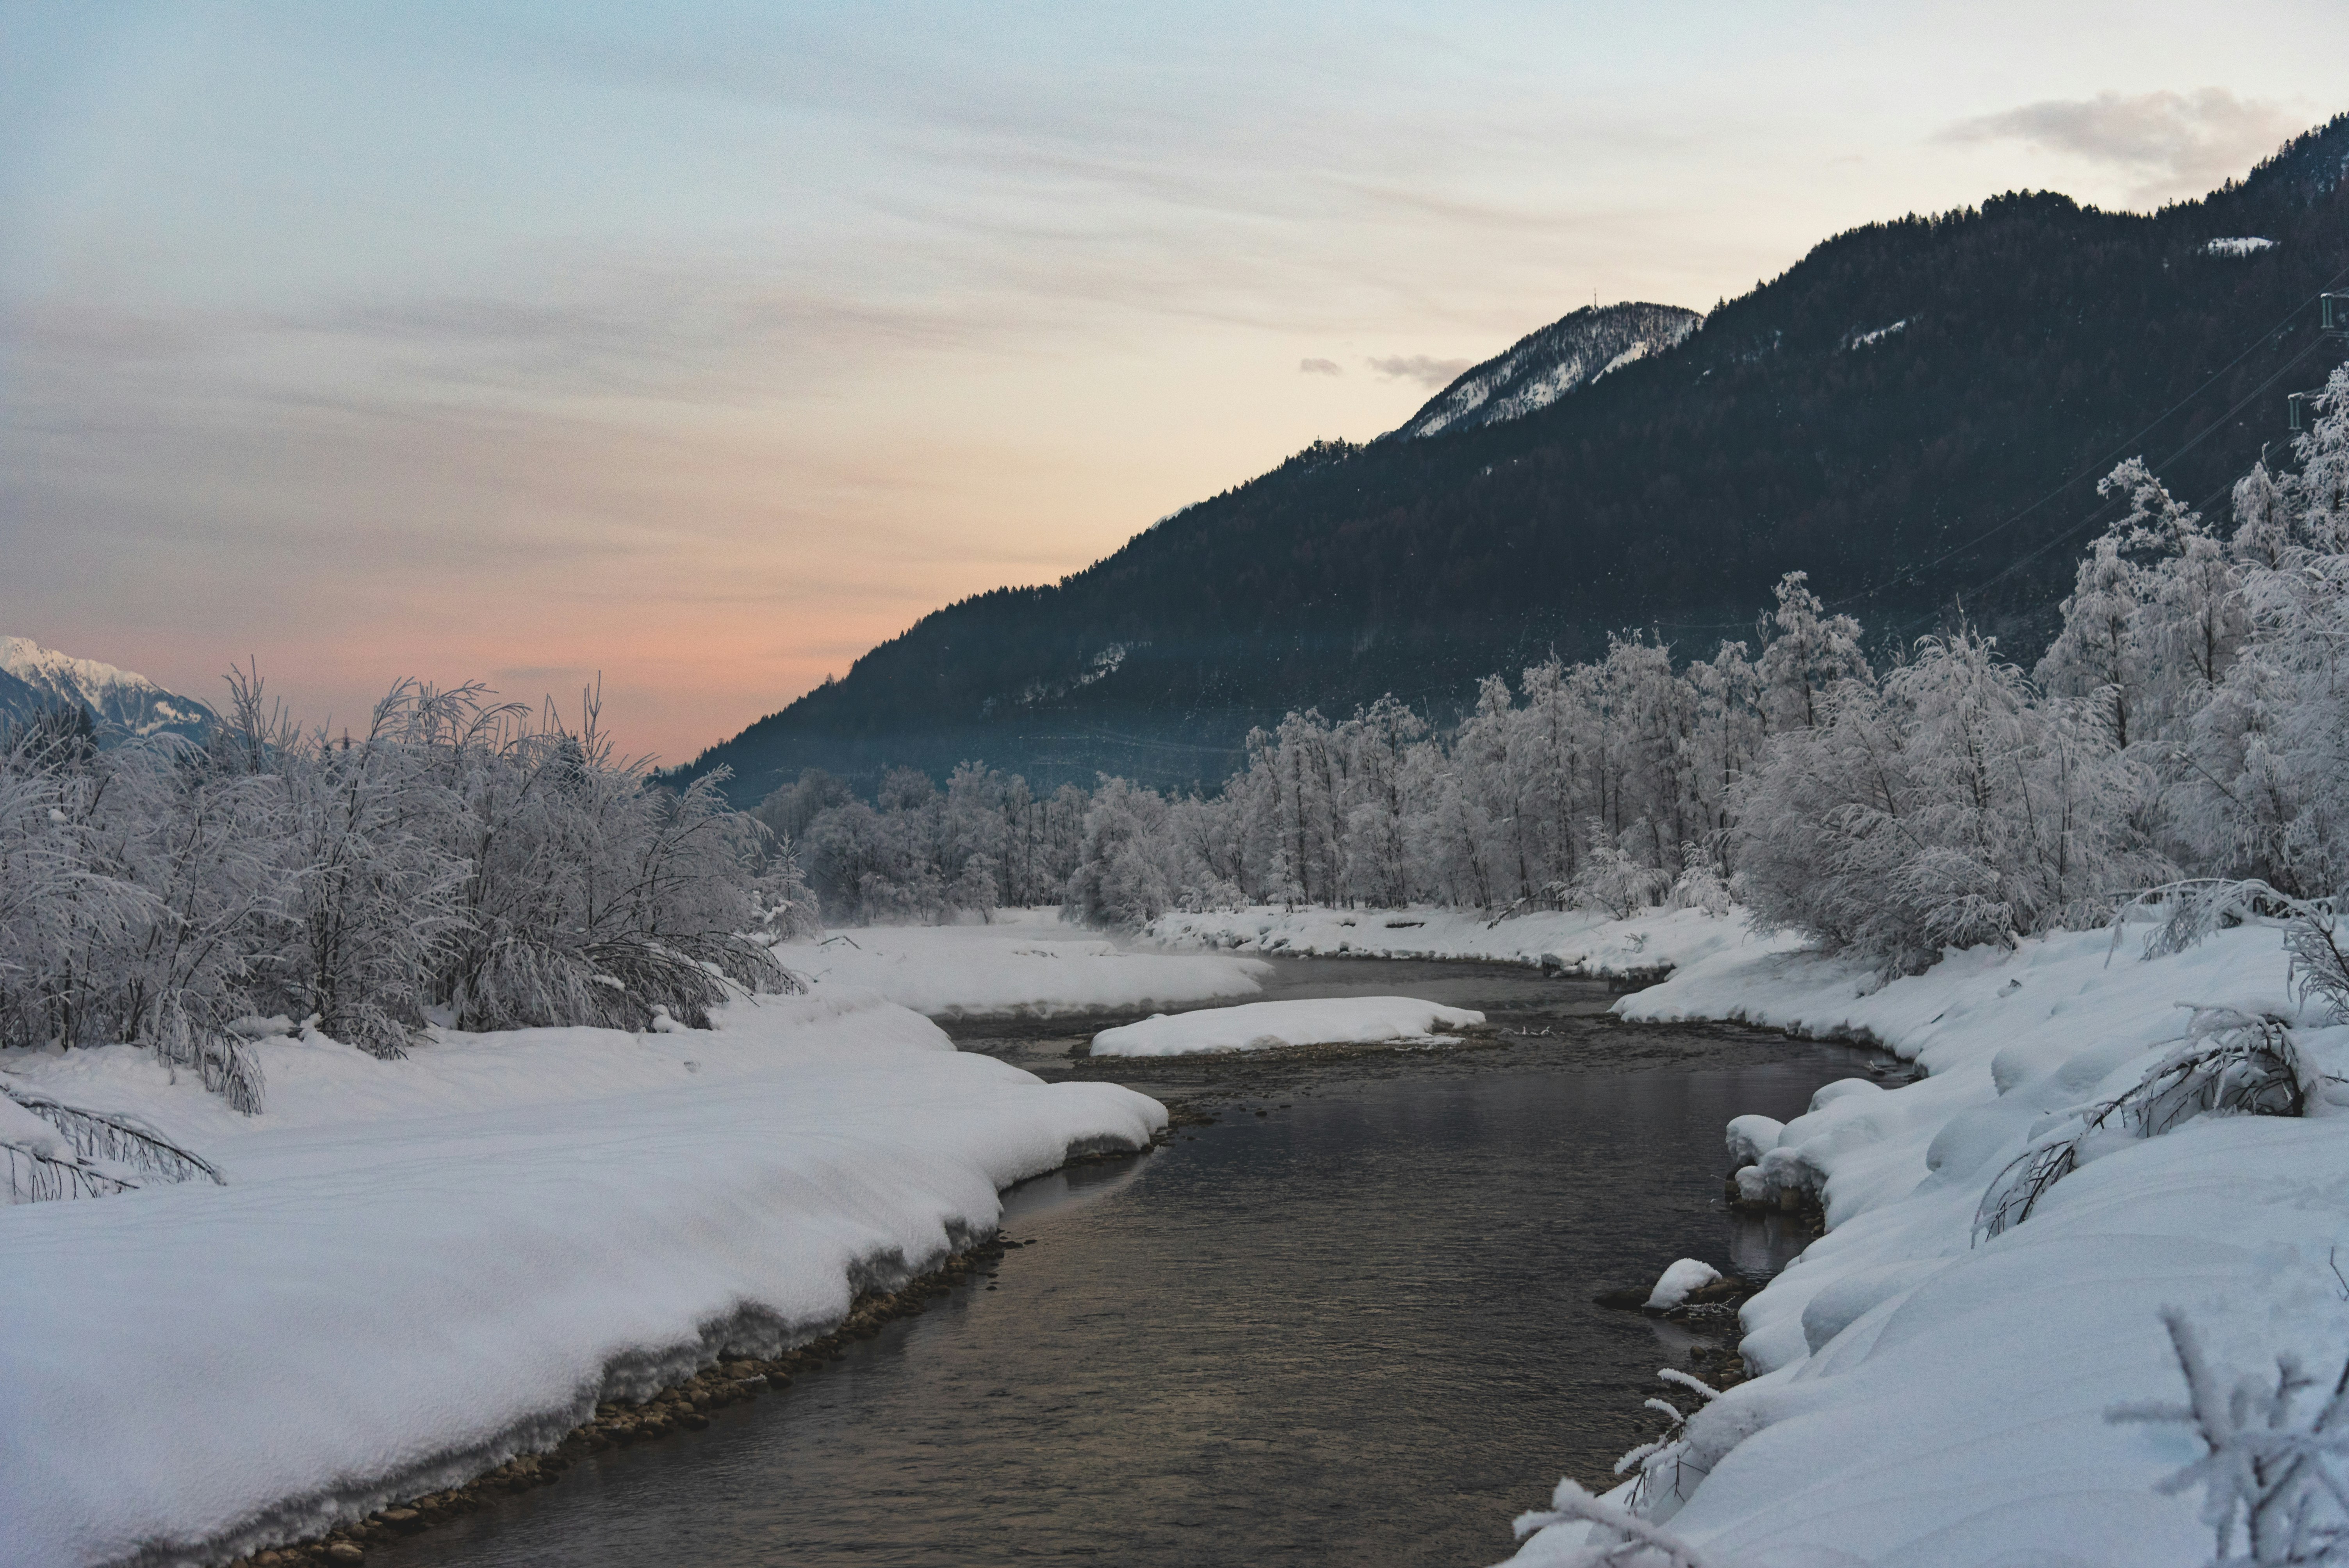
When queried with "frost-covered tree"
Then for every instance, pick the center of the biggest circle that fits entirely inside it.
(2261, 770)
(1948, 806)
(1808, 656)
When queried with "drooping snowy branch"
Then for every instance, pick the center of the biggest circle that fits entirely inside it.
(52, 1151)
(2231, 1063)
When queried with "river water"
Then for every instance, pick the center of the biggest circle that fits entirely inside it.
(1355, 1328)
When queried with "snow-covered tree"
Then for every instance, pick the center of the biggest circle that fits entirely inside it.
(1808, 659)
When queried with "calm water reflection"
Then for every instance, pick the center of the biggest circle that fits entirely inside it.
(1357, 1330)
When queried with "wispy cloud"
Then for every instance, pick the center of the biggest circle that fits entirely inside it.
(1419, 367)
(1320, 367)
(2172, 144)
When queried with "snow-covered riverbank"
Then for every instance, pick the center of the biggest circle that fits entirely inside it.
(1937, 1397)
(1572, 941)
(419, 1268)
(1930, 1396)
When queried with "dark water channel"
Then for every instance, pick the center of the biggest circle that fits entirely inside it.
(1355, 1329)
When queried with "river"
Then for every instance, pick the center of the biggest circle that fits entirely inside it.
(1349, 1322)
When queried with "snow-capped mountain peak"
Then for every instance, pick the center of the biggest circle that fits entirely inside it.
(35, 679)
(1542, 366)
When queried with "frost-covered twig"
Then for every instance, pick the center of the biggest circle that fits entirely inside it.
(1667, 1454)
(1633, 1541)
(1626, 1535)
(2270, 1471)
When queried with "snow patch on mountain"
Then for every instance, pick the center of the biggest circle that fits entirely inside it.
(2241, 245)
(35, 680)
(1540, 368)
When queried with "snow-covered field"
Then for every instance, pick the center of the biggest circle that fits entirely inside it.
(418, 1268)
(1267, 1025)
(1024, 960)
(1576, 941)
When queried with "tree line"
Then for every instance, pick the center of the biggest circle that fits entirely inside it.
(2189, 716)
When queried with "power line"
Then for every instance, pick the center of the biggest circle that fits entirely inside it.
(2116, 452)
(2104, 508)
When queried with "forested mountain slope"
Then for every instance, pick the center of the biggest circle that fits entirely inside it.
(1916, 414)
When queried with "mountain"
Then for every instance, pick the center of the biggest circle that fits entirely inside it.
(1916, 413)
(1542, 366)
(34, 680)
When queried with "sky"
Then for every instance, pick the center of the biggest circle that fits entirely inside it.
(697, 348)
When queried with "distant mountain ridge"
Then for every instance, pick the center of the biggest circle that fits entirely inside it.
(1542, 366)
(1916, 413)
(34, 680)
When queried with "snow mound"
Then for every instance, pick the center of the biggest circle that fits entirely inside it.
(1673, 1287)
(1265, 1026)
(1931, 1397)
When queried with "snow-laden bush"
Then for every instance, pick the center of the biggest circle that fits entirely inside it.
(1948, 806)
(455, 854)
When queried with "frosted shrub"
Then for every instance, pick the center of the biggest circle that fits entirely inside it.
(590, 898)
(1950, 807)
(1614, 881)
(368, 879)
(455, 854)
(1701, 884)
